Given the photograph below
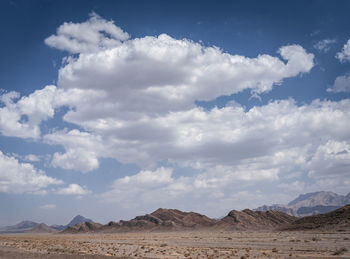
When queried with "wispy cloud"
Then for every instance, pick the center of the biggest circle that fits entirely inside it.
(344, 54)
(324, 45)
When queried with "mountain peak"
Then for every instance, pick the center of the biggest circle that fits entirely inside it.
(316, 198)
(307, 196)
(78, 219)
(311, 204)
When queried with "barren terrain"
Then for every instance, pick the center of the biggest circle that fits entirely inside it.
(234, 244)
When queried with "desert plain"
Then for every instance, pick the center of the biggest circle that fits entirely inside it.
(183, 244)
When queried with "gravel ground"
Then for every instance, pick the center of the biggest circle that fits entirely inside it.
(220, 245)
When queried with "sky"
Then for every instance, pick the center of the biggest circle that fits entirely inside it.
(112, 109)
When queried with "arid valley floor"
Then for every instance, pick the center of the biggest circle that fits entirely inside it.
(234, 244)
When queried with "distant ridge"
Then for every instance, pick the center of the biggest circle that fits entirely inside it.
(310, 204)
(338, 219)
(19, 228)
(26, 226)
(42, 228)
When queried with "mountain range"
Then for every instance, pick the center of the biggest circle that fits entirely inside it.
(264, 217)
(176, 220)
(27, 226)
(310, 204)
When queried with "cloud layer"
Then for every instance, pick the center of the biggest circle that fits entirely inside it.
(134, 100)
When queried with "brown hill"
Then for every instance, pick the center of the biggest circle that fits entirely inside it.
(82, 227)
(162, 220)
(248, 219)
(41, 228)
(337, 220)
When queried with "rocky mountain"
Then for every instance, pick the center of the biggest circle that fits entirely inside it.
(41, 228)
(310, 204)
(162, 220)
(249, 220)
(338, 219)
(76, 220)
(19, 228)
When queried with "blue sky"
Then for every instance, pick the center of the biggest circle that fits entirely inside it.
(127, 106)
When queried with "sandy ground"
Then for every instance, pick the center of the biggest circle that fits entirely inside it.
(256, 244)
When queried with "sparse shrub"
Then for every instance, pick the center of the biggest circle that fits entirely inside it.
(340, 251)
(274, 250)
(163, 245)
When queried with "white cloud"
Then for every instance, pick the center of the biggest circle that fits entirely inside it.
(36, 107)
(147, 178)
(90, 36)
(81, 150)
(48, 206)
(16, 177)
(344, 55)
(341, 84)
(172, 74)
(22, 118)
(324, 45)
(73, 189)
(31, 158)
